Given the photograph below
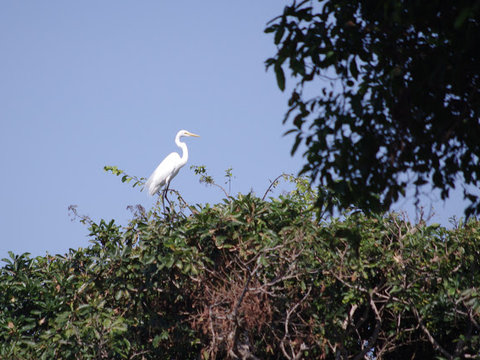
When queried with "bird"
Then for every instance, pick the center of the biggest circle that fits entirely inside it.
(169, 167)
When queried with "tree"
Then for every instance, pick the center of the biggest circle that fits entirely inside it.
(248, 278)
(388, 95)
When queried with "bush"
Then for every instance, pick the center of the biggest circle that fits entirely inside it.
(248, 278)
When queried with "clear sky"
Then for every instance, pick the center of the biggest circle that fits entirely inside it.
(85, 84)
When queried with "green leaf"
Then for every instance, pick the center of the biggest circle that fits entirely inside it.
(353, 68)
(280, 77)
(279, 34)
(464, 15)
(298, 140)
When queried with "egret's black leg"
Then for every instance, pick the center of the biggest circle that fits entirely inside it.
(163, 200)
(165, 196)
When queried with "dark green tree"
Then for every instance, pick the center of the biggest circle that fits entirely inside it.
(388, 95)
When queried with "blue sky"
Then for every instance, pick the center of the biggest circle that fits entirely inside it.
(94, 83)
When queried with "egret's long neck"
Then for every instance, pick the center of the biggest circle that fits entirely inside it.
(184, 148)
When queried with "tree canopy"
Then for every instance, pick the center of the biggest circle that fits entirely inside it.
(248, 278)
(388, 95)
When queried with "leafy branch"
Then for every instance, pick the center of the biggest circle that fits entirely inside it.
(201, 170)
(125, 177)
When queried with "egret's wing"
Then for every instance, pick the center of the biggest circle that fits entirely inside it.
(162, 173)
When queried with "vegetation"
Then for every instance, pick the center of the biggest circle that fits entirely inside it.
(248, 278)
(257, 278)
(387, 96)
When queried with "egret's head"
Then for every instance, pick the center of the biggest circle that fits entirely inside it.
(186, 133)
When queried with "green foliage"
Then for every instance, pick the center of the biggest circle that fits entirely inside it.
(248, 278)
(201, 170)
(387, 95)
(125, 177)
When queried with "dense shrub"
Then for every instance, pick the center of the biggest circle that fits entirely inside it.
(252, 279)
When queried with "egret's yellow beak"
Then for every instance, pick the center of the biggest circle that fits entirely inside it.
(191, 134)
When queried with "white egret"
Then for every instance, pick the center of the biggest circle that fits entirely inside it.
(169, 167)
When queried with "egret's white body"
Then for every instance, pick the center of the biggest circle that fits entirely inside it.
(169, 167)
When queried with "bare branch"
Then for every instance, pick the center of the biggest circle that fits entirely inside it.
(373, 338)
(272, 184)
(286, 336)
(432, 340)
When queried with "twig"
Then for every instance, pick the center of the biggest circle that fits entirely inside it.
(303, 347)
(233, 336)
(373, 338)
(271, 184)
(245, 289)
(432, 340)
